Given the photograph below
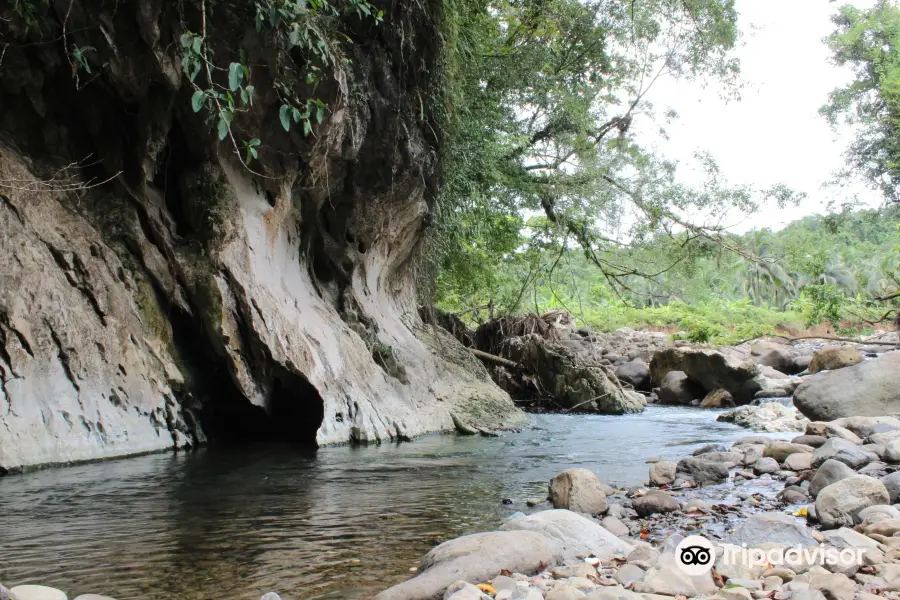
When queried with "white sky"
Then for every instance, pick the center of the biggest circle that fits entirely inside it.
(774, 134)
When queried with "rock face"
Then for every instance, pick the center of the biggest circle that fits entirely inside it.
(578, 490)
(188, 296)
(711, 369)
(839, 504)
(835, 357)
(867, 389)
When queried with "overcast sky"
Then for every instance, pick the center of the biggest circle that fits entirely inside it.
(774, 134)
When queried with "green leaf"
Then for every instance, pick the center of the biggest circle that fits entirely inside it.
(197, 100)
(235, 76)
(253, 152)
(320, 114)
(254, 143)
(283, 114)
(295, 114)
(223, 128)
(197, 45)
(307, 127)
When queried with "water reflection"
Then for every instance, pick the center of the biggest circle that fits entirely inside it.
(342, 523)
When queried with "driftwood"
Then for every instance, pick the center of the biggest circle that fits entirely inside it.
(494, 359)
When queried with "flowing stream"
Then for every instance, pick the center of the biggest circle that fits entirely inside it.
(344, 522)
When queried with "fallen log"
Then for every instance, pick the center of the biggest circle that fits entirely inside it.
(494, 359)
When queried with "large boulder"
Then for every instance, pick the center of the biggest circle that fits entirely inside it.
(636, 373)
(676, 388)
(868, 389)
(577, 536)
(776, 356)
(830, 472)
(774, 528)
(843, 451)
(834, 357)
(711, 368)
(579, 490)
(838, 505)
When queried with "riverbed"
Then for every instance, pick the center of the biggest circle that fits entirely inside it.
(344, 522)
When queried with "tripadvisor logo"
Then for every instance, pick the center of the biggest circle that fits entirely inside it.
(695, 555)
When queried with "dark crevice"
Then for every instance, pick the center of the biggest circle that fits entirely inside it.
(63, 358)
(12, 208)
(77, 283)
(4, 320)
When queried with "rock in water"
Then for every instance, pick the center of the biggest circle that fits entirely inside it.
(867, 389)
(578, 490)
(835, 357)
(830, 472)
(770, 416)
(717, 399)
(839, 504)
(676, 388)
(662, 473)
(702, 471)
(37, 592)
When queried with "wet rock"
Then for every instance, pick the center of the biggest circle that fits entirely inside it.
(800, 461)
(676, 388)
(810, 440)
(655, 502)
(765, 465)
(842, 451)
(835, 357)
(867, 389)
(830, 472)
(636, 373)
(753, 440)
(578, 490)
(774, 528)
(717, 399)
(709, 448)
(839, 504)
(702, 471)
(781, 450)
(892, 484)
(36, 592)
(731, 459)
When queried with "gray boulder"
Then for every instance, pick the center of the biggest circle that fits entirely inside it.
(843, 451)
(867, 389)
(676, 388)
(800, 461)
(776, 356)
(636, 373)
(578, 490)
(776, 528)
(713, 369)
(765, 465)
(810, 440)
(830, 472)
(577, 536)
(892, 484)
(662, 473)
(839, 504)
(655, 502)
(702, 471)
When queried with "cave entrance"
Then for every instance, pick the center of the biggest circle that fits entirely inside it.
(296, 411)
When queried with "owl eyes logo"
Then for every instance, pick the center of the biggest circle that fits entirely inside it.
(695, 555)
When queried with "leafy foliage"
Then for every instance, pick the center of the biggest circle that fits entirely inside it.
(868, 41)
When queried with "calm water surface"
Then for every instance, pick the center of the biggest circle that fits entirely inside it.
(342, 523)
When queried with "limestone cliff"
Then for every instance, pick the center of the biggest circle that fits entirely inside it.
(155, 291)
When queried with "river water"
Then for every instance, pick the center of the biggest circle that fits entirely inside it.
(344, 522)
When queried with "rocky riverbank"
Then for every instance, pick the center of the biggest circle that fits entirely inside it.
(832, 488)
